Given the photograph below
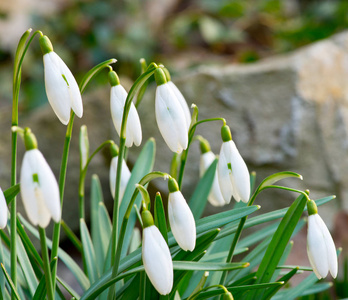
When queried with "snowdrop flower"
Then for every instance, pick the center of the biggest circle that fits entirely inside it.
(125, 173)
(170, 116)
(39, 187)
(215, 197)
(62, 90)
(233, 174)
(181, 218)
(180, 98)
(118, 97)
(3, 210)
(156, 256)
(321, 249)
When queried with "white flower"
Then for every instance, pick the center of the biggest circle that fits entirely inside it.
(233, 174)
(182, 103)
(125, 175)
(181, 221)
(62, 90)
(321, 249)
(118, 97)
(39, 189)
(3, 210)
(157, 260)
(215, 197)
(170, 119)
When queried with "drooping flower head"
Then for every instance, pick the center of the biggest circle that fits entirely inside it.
(233, 174)
(181, 219)
(125, 173)
(62, 90)
(39, 187)
(156, 256)
(321, 249)
(215, 197)
(118, 96)
(3, 210)
(170, 116)
(180, 97)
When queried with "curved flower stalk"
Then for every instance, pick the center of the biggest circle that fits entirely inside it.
(233, 174)
(62, 90)
(169, 115)
(156, 256)
(3, 210)
(321, 249)
(215, 197)
(180, 97)
(118, 96)
(181, 218)
(39, 187)
(125, 174)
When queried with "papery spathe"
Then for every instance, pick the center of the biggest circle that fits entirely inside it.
(170, 119)
(215, 197)
(3, 210)
(233, 174)
(181, 221)
(125, 175)
(62, 90)
(157, 260)
(39, 189)
(118, 96)
(321, 249)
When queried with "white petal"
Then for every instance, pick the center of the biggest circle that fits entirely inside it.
(215, 197)
(316, 247)
(3, 210)
(171, 119)
(181, 221)
(73, 88)
(224, 172)
(133, 123)
(157, 260)
(330, 247)
(125, 175)
(182, 103)
(49, 187)
(241, 177)
(56, 88)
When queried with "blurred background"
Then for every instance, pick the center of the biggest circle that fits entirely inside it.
(179, 33)
(204, 39)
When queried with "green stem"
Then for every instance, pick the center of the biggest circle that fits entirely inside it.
(135, 87)
(146, 179)
(243, 220)
(46, 262)
(62, 176)
(20, 54)
(185, 152)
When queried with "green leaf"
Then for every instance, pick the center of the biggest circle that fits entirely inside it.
(273, 290)
(143, 165)
(11, 192)
(199, 198)
(68, 261)
(105, 228)
(270, 180)
(71, 236)
(160, 217)
(8, 278)
(41, 288)
(237, 289)
(88, 252)
(207, 266)
(279, 241)
(28, 271)
(91, 73)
